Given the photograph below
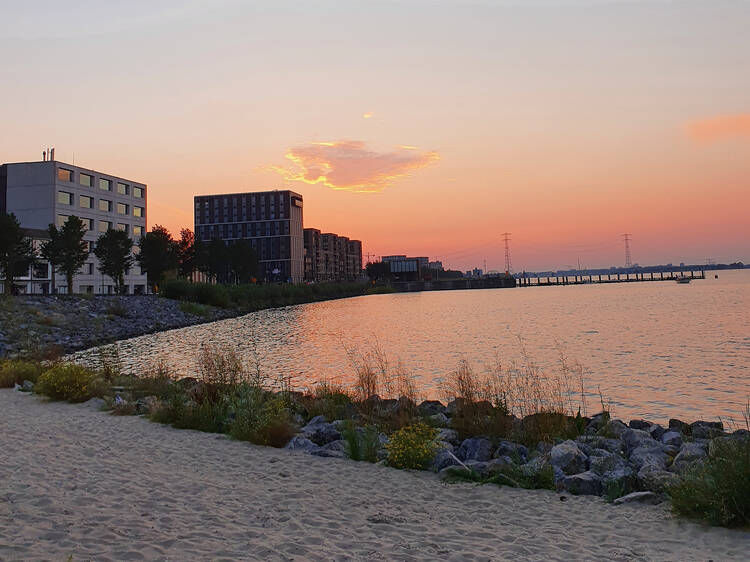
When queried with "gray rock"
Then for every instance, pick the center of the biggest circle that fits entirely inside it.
(614, 470)
(27, 386)
(299, 443)
(568, 458)
(480, 467)
(673, 438)
(497, 465)
(586, 483)
(319, 432)
(431, 407)
(655, 479)
(597, 421)
(438, 420)
(638, 497)
(599, 442)
(649, 455)
(93, 404)
(512, 450)
(640, 424)
(635, 438)
(475, 449)
(614, 428)
(338, 445)
(322, 452)
(317, 420)
(453, 471)
(706, 430)
(656, 431)
(679, 425)
(448, 435)
(534, 466)
(442, 459)
(690, 453)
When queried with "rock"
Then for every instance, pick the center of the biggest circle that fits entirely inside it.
(299, 443)
(497, 465)
(443, 458)
(614, 428)
(706, 430)
(431, 408)
(599, 442)
(543, 447)
(479, 467)
(319, 432)
(338, 445)
(655, 479)
(638, 497)
(453, 471)
(596, 422)
(317, 419)
(673, 438)
(649, 455)
(679, 425)
(635, 438)
(438, 420)
(586, 483)
(656, 431)
(532, 468)
(640, 424)
(475, 449)
(689, 454)
(512, 450)
(445, 445)
(613, 469)
(449, 436)
(321, 452)
(147, 405)
(93, 404)
(27, 386)
(568, 458)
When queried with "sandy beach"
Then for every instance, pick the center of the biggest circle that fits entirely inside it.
(82, 483)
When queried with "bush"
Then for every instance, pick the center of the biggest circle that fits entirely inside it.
(260, 417)
(412, 447)
(15, 371)
(509, 475)
(718, 490)
(68, 381)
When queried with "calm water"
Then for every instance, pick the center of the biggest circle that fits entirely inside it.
(656, 349)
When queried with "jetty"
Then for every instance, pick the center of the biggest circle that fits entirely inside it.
(588, 279)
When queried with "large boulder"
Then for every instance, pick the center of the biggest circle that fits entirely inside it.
(320, 432)
(568, 458)
(299, 443)
(475, 449)
(437, 420)
(431, 408)
(690, 453)
(443, 459)
(496, 465)
(599, 442)
(673, 438)
(586, 483)
(654, 479)
(613, 428)
(640, 424)
(512, 450)
(449, 436)
(656, 431)
(635, 438)
(679, 425)
(613, 468)
(706, 429)
(649, 455)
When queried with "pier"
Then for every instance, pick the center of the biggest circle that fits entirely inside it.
(588, 279)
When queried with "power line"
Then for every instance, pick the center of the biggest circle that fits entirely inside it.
(628, 258)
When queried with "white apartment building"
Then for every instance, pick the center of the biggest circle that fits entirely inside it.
(48, 192)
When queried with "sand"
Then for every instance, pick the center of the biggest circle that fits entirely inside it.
(82, 483)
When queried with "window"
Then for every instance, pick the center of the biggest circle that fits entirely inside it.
(61, 219)
(64, 175)
(85, 179)
(122, 209)
(89, 223)
(137, 231)
(105, 205)
(86, 202)
(138, 192)
(105, 185)
(104, 226)
(88, 268)
(89, 289)
(64, 198)
(137, 211)
(122, 188)
(121, 226)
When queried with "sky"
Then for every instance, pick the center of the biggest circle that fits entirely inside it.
(421, 127)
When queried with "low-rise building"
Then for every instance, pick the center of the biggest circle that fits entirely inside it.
(48, 192)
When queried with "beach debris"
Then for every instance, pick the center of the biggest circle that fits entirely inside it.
(638, 497)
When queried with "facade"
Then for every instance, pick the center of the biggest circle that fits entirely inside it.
(406, 268)
(330, 257)
(48, 192)
(270, 220)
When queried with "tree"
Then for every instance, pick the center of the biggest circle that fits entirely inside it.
(16, 250)
(216, 260)
(66, 250)
(186, 253)
(113, 250)
(158, 255)
(378, 270)
(243, 261)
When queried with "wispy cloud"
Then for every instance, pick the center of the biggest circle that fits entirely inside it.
(367, 115)
(720, 127)
(350, 165)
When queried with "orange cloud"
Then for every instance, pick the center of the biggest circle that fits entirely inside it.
(349, 165)
(720, 127)
(367, 115)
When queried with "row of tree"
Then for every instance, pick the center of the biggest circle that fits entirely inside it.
(157, 253)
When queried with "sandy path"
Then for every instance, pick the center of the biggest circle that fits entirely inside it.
(83, 483)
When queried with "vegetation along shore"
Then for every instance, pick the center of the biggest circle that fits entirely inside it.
(513, 427)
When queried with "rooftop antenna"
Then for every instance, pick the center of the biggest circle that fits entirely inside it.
(628, 258)
(506, 239)
(44, 155)
(52, 153)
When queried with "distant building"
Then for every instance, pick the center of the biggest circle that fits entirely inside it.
(270, 220)
(330, 257)
(48, 192)
(406, 268)
(436, 266)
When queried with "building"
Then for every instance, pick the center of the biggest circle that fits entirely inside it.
(406, 268)
(270, 220)
(48, 192)
(330, 257)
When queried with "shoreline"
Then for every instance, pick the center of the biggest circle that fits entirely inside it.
(117, 487)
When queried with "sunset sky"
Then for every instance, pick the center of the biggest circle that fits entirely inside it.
(422, 127)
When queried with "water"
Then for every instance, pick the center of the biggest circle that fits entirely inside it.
(656, 349)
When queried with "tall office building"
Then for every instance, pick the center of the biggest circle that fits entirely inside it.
(270, 220)
(330, 257)
(48, 192)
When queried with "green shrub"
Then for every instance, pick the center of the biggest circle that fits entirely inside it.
(718, 490)
(412, 447)
(194, 308)
(68, 381)
(509, 475)
(15, 371)
(260, 417)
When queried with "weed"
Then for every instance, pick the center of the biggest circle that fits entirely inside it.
(68, 381)
(195, 309)
(16, 371)
(412, 447)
